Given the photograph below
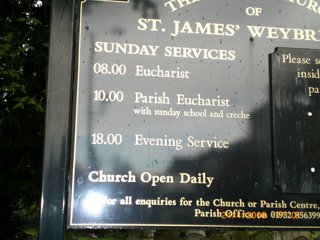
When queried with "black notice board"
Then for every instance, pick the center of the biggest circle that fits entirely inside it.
(296, 119)
(172, 116)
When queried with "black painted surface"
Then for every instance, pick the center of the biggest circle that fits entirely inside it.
(296, 114)
(243, 171)
(56, 155)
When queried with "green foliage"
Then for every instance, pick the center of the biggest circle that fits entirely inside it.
(23, 65)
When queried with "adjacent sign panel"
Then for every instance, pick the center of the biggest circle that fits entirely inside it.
(172, 121)
(295, 90)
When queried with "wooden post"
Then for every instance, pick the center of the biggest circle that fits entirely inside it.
(53, 200)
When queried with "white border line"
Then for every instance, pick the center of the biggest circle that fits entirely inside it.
(77, 100)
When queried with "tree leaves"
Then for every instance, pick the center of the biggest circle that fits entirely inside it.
(23, 65)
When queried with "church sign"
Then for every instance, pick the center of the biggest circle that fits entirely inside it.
(196, 113)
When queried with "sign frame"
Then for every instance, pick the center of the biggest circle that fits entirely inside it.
(58, 128)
